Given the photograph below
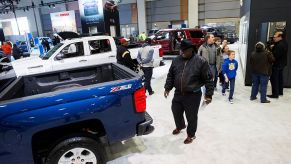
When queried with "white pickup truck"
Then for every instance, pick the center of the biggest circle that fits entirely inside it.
(77, 52)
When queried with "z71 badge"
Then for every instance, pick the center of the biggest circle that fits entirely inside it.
(119, 88)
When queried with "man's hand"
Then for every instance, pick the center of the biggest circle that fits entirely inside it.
(166, 93)
(207, 99)
(226, 79)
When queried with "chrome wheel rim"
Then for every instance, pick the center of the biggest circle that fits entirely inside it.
(78, 156)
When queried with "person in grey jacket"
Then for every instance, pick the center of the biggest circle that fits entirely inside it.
(211, 52)
(146, 61)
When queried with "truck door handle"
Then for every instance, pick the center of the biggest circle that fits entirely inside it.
(111, 56)
(82, 60)
(39, 66)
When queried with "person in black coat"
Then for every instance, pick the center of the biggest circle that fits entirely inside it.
(188, 73)
(56, 40)
(16, 52)
(123, 55)
(47, 45)
(261, 64)
(279, 50)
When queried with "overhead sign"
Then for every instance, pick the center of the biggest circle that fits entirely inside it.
(64, 21)
(91, 12)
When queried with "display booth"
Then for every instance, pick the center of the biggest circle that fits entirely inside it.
(260, 19)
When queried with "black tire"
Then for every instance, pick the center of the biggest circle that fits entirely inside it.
(76, 142)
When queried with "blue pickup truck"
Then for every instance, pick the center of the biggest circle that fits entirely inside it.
(68, 116)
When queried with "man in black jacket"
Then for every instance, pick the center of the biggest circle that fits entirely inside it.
(279, 50)
(188, 73)
(123, 55)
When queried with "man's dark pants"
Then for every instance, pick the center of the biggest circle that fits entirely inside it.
(188, 103)
(148, 73)
(214, 73)
(259, 81)
(277, 81)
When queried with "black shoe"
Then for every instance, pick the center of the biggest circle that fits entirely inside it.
(273, 97)
(266, 101)
(253, 98)
(177, 131)
(151, 93)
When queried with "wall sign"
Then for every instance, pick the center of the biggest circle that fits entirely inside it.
(63, 21)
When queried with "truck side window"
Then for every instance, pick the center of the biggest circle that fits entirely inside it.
(73, 50)
(99, 46)
(196, 34)
(163, 35)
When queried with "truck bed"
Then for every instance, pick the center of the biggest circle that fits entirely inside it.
(64, 80)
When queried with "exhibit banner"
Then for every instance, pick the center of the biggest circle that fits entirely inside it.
(91, 12)
(63, 21)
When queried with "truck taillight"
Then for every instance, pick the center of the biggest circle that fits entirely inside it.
(140, 100)
(161, 52)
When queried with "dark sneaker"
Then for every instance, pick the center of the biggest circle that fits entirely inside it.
(231, 101)
(266, 101)
(151, 93)
(189, 139)
(223, 94)
(253, 98)
(273, 97)
(177, 131)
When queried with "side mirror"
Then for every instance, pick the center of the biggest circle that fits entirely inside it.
(60, 56)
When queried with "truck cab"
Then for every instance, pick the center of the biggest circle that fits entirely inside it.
(170, 39)
(72, 53)
(77, 52)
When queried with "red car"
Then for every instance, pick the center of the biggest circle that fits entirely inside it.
(170, 39)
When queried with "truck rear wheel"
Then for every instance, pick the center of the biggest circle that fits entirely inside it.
(76, 150)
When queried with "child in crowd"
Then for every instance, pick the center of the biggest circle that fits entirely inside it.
(224, 56)
(225, 50)
(224, 43)
(219, 49)
(229, 69)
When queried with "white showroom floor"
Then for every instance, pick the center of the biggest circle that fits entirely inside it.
(245, 132)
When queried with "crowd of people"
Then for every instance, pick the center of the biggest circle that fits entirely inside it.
(194, 69)
(10, 51)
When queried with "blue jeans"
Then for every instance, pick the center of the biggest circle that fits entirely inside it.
(214, 72)
(232, 85)
(259, 81)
